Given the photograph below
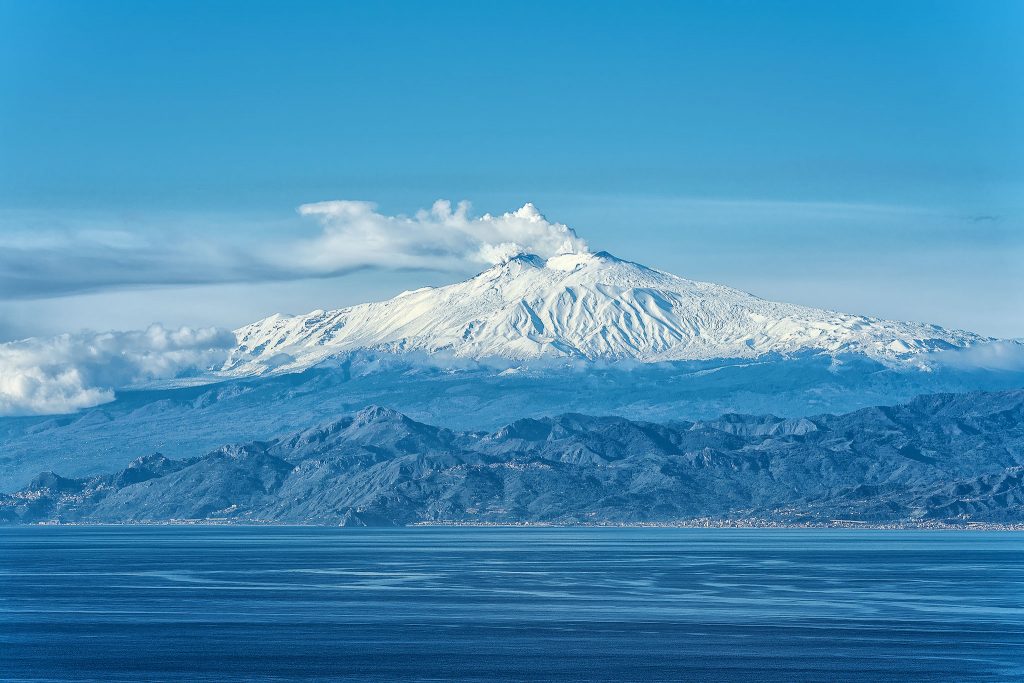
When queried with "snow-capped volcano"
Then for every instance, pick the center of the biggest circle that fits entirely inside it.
(584, 305)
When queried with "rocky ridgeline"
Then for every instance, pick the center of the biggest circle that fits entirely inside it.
(946, 458)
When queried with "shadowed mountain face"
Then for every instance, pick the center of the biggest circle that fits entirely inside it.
(948, 457)
(186, 421)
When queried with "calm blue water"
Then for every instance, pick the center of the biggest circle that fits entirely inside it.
(232, 604)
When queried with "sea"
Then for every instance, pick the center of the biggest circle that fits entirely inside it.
(238, 603)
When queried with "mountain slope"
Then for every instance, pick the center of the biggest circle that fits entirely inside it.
(950, 458)
(183, 421)
(588, 306)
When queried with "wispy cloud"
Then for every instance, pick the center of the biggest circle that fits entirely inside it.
(353, 235)
(73, 371)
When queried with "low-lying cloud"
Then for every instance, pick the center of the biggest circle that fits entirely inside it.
(353, 235)
(72, 371)
(1002, 355)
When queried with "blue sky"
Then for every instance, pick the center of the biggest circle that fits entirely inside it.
(862, 156)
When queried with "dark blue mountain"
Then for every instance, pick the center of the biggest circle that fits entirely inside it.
(181, 422)
(948, 457)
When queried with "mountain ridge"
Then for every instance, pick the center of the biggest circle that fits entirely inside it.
(943, 458)
(185, 420)
(590, 306)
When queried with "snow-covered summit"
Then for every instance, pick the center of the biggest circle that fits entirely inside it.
(579, 305)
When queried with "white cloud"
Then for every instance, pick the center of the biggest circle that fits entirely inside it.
(353, 235)
(1003, 355)
(73, 371)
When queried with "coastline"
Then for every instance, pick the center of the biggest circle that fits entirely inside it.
(930, 525)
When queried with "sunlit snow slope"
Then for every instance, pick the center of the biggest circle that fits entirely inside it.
(588, 306)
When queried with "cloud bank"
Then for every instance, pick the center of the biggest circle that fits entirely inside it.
(73, 371)
(1005, 355)
(353, 235)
